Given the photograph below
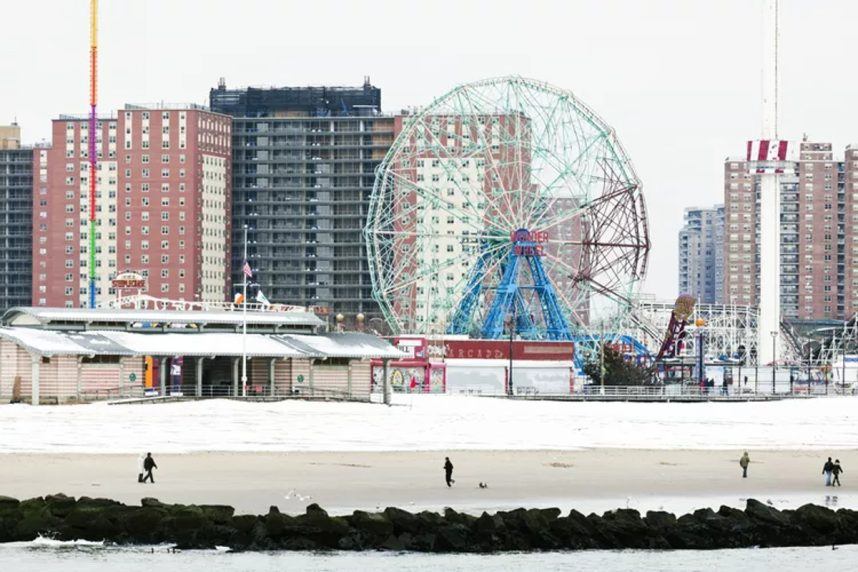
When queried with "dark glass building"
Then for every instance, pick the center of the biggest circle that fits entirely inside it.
(16, 219)
(304, 162)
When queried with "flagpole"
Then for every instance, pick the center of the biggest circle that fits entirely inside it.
(244, 323)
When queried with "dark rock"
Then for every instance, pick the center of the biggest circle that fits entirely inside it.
(624, 527)
(206, 526)
(375, 525)
(244, 522)
(152, 503)
(537, 525)
(660, 520)
(489, 530)
(300, 543)
(760, 512)
(97, 503)
(453, 538)
(321, 528)
(59, 504)
(278, 525)
(8, 502)
(404, 521)
(34, 519)
(819, 519)
(217, 513)
(316, 511)
(143, 525)
(740, 528)
(454, 517)
(574, 531)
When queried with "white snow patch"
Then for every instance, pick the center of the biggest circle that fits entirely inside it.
(441, 422)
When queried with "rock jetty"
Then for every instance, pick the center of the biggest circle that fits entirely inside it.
(206, 526)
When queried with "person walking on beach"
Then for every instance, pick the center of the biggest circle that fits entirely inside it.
(836, 469)
(448, 471)
(827, 469)
(148, 465)
(744, 462)
(140, 462)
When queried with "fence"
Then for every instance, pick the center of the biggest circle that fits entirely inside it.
(694, 392)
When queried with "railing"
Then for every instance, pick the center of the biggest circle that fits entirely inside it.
(255, 392)
(692, 392)
(108, 393)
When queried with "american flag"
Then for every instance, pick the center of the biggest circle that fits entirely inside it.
(247, 270)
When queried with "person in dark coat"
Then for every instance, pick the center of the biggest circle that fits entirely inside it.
(836, 469)
(148, 465)
(448, 471)
(827, 468)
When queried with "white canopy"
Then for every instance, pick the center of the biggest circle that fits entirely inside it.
(195, 343)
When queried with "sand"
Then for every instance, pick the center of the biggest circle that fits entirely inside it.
(589, 480)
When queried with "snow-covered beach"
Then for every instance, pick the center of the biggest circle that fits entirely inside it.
(594, 480)
(346, 456)
(428, 423)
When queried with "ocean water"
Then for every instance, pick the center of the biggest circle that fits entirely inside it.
(47, 555)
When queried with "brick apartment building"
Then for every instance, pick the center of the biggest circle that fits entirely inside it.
(163, 205)
(819, 234)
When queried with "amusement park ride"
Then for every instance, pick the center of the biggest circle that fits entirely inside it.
(507, 206)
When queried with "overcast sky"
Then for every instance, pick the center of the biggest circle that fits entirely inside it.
(679, 80)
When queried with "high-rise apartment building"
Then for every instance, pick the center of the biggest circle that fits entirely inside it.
(162, 200)
(16, 207)
(304, 162)
(819, 234)
(701, 254)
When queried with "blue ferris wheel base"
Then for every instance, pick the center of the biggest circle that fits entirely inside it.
(509, 296)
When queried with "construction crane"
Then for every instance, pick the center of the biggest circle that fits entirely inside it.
(93, 149)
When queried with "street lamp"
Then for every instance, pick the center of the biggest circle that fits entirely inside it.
(774, 358)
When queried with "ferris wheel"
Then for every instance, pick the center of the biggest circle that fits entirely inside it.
(506, 203)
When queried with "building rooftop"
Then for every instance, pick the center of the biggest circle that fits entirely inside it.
(108, 318)
(310, 101)
(164, 106)
(195, 344)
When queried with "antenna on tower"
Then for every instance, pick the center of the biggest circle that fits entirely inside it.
(771, 41)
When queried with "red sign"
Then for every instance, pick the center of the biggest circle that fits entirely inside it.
(524, 235)
(128, 280)
(499, 349)
(128, 283)
(533, 242)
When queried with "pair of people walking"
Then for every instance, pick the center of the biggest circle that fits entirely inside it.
(831, 472)
(144, 467)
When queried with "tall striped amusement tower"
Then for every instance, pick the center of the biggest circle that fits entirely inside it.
(93, 150)
(768, 161)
